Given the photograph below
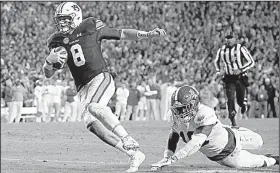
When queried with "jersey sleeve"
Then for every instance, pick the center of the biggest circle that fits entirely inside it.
(105, 32)
(205, 117)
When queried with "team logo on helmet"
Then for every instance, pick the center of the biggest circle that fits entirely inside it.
(75, 7)
(66, 40)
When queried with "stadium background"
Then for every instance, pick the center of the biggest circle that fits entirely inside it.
(194, 32)
(185, 55)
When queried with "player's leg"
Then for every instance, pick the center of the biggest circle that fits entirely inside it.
(118, 110)
(149, 110)
(57, 111)
(128, 112)
(12, 112)
(134, 111)
(67, 112)
(241, 96)
(230, 94)
(245, 159)
(272, 107)
(19, 105)
(45, 109)
(155, 108)
(97, 128)
(140, 111)
(248, 139)
(50, 111)
(103, 88)
(74, 115)
(123, 111)
(78, 110)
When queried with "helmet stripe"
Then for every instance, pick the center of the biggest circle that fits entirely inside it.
(176, 93)
(59, 8)
(62, 6)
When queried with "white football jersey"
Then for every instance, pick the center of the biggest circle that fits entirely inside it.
(218, 138)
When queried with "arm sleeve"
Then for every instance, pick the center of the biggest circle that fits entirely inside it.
(173, 140)
(250, 61)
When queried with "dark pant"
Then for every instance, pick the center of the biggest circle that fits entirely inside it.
(235, 84)
(270, 104)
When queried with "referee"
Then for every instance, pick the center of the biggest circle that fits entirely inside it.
(237, 61)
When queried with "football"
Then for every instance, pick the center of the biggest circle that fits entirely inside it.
(62, 53)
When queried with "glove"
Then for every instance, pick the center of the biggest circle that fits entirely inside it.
(162, 163)
(57, 55)
(156, 33)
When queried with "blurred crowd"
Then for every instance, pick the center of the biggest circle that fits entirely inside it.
(185, 56)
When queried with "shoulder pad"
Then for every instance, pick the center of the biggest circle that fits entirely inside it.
(55, 40)
(205, 116)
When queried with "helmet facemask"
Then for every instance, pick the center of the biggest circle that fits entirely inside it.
(185, 112)
(65, 23)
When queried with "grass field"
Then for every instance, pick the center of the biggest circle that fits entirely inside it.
(70, 148)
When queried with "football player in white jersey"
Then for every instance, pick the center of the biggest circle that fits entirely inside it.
(218, 142)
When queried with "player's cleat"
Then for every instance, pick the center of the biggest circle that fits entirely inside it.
(243, 109)
(274, 157)
(129, 143)
(135, 161)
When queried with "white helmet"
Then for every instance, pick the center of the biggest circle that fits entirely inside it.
(68, 16)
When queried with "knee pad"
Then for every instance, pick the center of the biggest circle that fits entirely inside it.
(88, 119)
(104, 114)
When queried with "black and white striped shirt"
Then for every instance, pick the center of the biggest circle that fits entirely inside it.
(236, 57)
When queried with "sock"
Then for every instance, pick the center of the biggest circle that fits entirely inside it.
(119, 146)
(120, 131)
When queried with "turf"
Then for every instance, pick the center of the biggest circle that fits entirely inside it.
(70, 148)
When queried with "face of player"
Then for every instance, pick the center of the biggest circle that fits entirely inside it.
(64, 24)
(184, 112)
(230, 41)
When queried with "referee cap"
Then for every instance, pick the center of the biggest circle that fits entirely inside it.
(229, 34)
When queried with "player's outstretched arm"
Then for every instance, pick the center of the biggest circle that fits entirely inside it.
(198, 138)
(133, 34)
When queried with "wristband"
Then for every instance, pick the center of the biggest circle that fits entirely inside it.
(142, 34)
